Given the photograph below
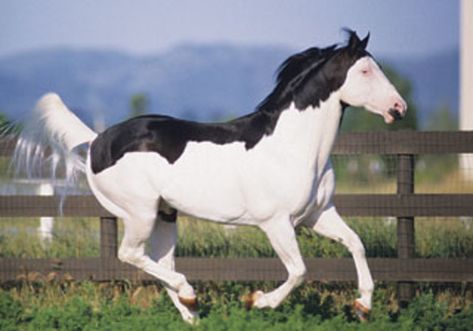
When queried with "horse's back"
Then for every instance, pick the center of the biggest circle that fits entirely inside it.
(156, 134)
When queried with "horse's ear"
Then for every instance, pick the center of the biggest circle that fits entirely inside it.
(364, 42)
(354, 41)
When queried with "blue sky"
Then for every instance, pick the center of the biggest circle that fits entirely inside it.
(398, 27)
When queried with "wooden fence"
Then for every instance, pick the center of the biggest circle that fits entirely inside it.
(405, 205)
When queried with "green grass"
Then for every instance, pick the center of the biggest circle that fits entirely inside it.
(76, 237)
(73, 237)
(439, 237)
(207, 239)
(125, 306)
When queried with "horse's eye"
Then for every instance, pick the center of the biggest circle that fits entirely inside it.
(365, 71)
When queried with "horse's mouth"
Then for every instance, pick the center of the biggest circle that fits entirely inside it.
(393, 115)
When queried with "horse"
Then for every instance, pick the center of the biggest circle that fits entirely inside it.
(270, 168)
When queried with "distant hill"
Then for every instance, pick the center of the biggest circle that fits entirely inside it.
(202, 82)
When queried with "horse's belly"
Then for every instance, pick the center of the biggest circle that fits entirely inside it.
(204, 182)
(203, 196)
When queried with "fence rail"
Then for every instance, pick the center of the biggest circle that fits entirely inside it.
(240, 269)
(396, 205)
(388, 143)
(405, 205)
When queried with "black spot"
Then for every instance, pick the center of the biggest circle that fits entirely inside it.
(306, 78)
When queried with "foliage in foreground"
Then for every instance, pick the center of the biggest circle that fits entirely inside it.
(91, 306)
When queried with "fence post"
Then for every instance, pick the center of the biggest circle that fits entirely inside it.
(108, 236)
(405, 225)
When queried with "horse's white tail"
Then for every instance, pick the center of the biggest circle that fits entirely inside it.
(49, 137)
(61, 124)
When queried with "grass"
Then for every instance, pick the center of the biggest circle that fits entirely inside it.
(76, 237)
(124, 306)
(439, 237)
(73, 237)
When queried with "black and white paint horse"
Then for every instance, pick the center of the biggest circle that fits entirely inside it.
(270, 168)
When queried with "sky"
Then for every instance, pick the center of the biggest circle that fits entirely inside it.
(145, 27)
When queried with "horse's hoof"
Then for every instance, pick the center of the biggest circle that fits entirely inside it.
(193, 319)
(250, 299)
(361, 311)
(190, 303)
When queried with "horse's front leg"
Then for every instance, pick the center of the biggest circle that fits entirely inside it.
(282, 236)
(331, 225)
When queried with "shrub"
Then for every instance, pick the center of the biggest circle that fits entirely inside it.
(10, 312)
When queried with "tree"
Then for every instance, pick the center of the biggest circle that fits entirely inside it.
(139, 105)
(442, 120)
(356, 119)
(6, 126)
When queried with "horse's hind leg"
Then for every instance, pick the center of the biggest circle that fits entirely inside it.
(163, 243)
(331, 225)
(138, 228)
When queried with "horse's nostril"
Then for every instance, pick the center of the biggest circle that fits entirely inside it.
(396, 113)
(400, 107)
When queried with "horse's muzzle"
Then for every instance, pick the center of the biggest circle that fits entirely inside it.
(396, 114)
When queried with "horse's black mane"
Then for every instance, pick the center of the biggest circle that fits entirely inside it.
(291, 74)
(302, 78)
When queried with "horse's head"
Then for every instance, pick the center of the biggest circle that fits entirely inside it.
(365, 84)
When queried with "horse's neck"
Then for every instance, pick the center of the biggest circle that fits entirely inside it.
(309, 134)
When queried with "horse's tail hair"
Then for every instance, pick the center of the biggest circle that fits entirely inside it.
(48, 141)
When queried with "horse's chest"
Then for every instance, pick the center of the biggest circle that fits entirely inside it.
(322, 190)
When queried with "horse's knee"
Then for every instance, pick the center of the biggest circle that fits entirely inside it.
(358, 249)
(355, 246)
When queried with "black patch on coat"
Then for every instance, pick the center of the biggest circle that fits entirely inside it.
(169, 136)
(306, 78)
